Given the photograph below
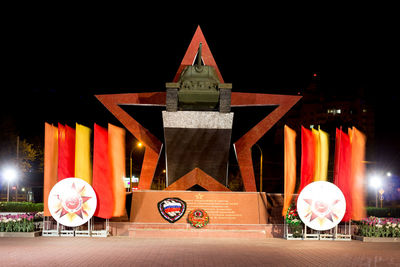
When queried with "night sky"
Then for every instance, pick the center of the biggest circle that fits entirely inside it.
(55, 66)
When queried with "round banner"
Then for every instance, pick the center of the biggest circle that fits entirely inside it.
(72, 202)
(321, 205)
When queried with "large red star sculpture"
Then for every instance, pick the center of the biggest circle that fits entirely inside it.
(242, 147)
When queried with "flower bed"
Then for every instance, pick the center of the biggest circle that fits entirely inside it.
(19, 222)
(294, 223)
(379, 227)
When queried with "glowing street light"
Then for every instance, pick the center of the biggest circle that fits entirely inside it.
(376, 183)
(10, 175)
(139, 145)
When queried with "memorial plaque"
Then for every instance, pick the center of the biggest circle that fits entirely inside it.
(222, 207)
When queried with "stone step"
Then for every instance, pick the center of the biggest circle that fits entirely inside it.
(181, 230)
(193, 233)
(187, 226)
(184, 230)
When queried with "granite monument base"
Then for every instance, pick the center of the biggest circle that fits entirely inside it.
(232, 215)
(223, 208)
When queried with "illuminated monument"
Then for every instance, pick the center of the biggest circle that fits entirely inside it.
(198, 101)
(197, 129)
(197, 123)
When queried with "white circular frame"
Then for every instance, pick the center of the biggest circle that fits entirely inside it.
(321, 205)
(72, 202)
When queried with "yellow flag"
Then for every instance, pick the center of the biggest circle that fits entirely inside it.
(350, 133)
(116, 153)
(83, 165)
(317, 145)
(324, 155)
(321, 140)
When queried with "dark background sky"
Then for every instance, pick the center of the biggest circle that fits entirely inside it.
(54, 64)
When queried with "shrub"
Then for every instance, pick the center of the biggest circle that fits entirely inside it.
(20, 207)
(383, 212)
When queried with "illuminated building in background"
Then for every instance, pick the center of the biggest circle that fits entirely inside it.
(325, 107)
(332, 108)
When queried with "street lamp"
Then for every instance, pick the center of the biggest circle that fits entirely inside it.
(261, 161)
(381, 191)
(376, 183)
(10, 175)
(139, 145)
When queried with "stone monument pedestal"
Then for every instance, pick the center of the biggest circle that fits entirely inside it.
(223, 208)
(232, 215)
(197, 139)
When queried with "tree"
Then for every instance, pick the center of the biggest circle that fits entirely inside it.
(28, 156)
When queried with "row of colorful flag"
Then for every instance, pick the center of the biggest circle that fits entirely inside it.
(349, 169)
(68, 154)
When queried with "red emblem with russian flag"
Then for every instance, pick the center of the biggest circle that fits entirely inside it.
(172, 209)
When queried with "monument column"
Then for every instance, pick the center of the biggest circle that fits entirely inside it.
(197, 139)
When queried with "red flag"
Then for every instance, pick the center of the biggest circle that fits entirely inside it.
(102, 180)
(342, 168)
(307, 158)
(66, 152)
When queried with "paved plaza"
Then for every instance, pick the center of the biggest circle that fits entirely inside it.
(123, 251)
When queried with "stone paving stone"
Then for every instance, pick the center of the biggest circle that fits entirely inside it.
(123, 251)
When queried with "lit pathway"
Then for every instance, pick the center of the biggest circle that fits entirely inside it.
(122, 251)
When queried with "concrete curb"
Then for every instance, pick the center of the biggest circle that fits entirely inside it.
(376, 239)
(20, 234)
